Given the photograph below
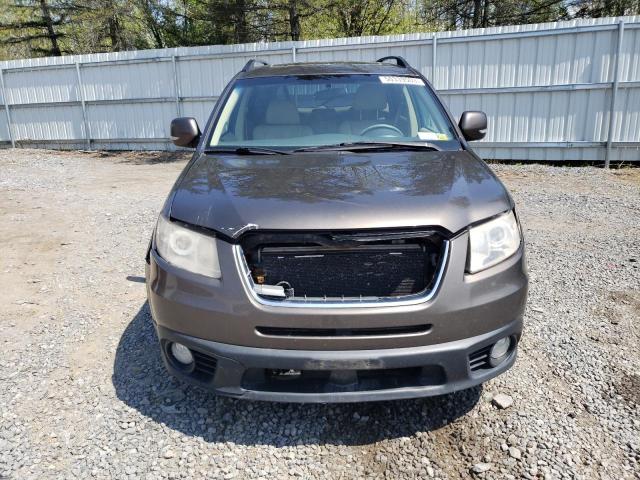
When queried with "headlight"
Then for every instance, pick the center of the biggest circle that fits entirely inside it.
(187, 249)
(493, 241)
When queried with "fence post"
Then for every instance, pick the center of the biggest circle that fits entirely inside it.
(6, 108)
(434, 59)
(293, 54)
(614, 91)
(85, 122)
(176, 84)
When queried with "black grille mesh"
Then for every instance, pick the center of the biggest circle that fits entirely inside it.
(373, 271)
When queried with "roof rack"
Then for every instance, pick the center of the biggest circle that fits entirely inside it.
(401, 62)
(251, 64)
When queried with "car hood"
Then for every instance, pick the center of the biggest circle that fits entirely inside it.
(337, 191)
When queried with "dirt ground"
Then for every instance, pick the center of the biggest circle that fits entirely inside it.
(74, 229)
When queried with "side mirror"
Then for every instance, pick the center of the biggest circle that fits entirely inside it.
(473, 125)
(185, 132)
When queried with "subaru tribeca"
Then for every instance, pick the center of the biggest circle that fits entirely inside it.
(334, 239)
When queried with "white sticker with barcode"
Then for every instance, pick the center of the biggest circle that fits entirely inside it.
(401, 80)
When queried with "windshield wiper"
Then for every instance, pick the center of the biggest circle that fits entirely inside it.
(246, 150)
(357, 146)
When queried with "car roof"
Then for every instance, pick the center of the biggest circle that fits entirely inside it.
(325, 68)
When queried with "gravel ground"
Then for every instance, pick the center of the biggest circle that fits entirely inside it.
(83, 392)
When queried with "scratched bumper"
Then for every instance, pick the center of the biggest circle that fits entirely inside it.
(337, 376)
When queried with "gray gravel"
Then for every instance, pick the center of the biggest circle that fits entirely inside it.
(84, 395)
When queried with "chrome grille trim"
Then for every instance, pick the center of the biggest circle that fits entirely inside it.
(364, 302)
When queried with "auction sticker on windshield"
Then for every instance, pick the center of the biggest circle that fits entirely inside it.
(432, 136)
(401, 80)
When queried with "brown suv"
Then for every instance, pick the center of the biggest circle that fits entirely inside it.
(335, 239)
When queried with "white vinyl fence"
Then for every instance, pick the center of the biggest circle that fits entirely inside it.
(554, 91)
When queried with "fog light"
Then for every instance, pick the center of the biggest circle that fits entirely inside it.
(500, 348)
(181, 353)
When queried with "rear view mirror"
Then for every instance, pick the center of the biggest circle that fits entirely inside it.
(473, 125)
(185, 132)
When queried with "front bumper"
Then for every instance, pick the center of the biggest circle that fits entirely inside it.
(349, 376)
(222, 321)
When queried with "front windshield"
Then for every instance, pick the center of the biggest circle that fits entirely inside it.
(315, 110)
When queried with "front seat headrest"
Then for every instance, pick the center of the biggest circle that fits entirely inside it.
(369, 96)
(282, 112)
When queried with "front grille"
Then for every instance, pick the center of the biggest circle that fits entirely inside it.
(343, 268)
(479, 360)
(366, 271)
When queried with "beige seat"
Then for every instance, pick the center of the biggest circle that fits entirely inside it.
(367, 109)
(281, 121)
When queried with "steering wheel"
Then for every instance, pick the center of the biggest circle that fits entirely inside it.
(383, 126)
